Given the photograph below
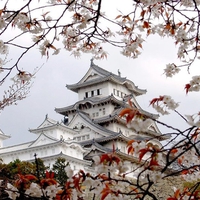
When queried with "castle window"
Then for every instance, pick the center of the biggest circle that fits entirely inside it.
(118, 93)
(98, 91)
(93, 114)
(97, 114)
(78, 138)
(92, 93)
(86, 94)
(83, 138)
(114, 91)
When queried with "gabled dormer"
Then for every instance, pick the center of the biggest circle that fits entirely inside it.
(54, 129)
(98, 82)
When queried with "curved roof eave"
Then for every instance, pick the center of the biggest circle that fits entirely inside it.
(92, 100)
(95, 100)
(129, 84)
(152, 134)
(61, 154)
(58, 125)
(96, 127)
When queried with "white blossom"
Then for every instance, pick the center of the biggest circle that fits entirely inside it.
(51, 191)
(34, 190)
(171, 69)
(12, 191)
(69, 171)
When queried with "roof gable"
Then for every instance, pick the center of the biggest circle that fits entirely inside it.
(47, 122)
(82, 123)
(42, 140)
(90, 75)
(97, 75)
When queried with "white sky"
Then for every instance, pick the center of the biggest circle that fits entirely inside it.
(49, 91)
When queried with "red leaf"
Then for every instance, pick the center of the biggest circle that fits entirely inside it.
(168, 26)
(130, 150)
(142, 152)
(185, 171)
(115, 159)
(124, 112)
(180, 160)
(153, 162)
(146, 24)
(104, 157)
(49, 174)
(105, 192)
(155, 100)
(30, 177)
(177, 193)
(118, 16)
(130, 103)
(142, 13)
(76, 182)
(130, 142)
(187, 87)
(174, 150)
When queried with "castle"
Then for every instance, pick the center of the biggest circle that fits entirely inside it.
(91, 125)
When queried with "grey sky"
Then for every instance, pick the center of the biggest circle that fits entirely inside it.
(49, 89)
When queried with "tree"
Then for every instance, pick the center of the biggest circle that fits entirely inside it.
(82, 26)
(59, 170)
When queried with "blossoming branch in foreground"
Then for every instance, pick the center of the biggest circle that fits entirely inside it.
(162, 103)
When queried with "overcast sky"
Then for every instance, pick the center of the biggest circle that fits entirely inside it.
(49, 91)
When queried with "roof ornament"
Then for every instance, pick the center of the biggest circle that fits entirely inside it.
(119, 73)
(46, 116)
(92, 63)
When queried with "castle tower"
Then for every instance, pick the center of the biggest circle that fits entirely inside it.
(101, 96)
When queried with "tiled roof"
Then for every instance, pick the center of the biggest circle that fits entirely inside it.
(98, 146)
(98, 100)
(92, 100)
(67, 157)
(106, 75)
(111, 138)
(86, 118)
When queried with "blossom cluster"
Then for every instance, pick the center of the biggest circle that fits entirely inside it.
(3, 48)
(115, 178)
(193, 85)
(193, 120)
(162, 103)
(82, 26)
(171, 70)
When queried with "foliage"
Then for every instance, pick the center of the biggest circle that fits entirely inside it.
(192, 184)
(22, 167)
(82, 26)
(59, 170)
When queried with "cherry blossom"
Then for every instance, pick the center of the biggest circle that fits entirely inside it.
(193, 85)
(82, 27)
(163, 103)
(193, 120)
(171, 70)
